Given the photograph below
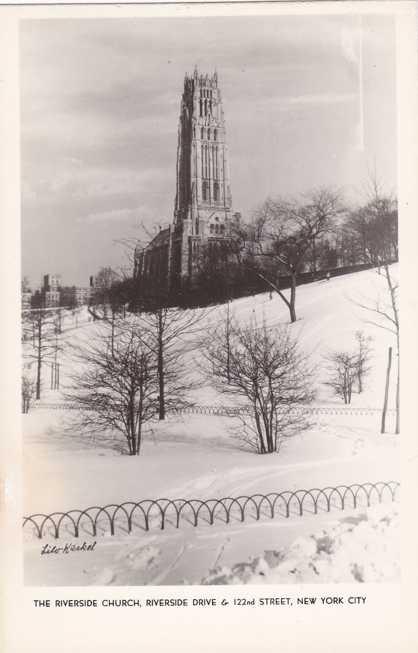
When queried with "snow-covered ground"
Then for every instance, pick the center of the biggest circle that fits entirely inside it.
(200, 457)
(363, 548)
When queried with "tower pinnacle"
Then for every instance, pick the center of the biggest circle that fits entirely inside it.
(203, 203)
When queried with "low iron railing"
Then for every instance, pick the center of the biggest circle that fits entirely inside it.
(231, 411)
(149, 513)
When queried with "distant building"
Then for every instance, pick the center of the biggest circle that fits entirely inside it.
(26, 298)
(72, 296)
(51, 298)
(51, 282)
(203, 215)
(50, 290)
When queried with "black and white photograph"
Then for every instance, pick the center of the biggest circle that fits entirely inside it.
(210, 317)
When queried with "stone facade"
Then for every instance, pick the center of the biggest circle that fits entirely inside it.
(203, 204)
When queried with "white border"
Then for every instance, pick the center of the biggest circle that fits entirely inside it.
(384, 624)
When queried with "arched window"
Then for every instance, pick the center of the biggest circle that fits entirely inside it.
(211, 228)
(201, 132)
(217, 228)
(215, 134)
(209, 134)
(216, 191)
(222, 229)
(205, 190)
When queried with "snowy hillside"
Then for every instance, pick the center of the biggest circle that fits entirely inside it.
(200, 456)
(328, 315)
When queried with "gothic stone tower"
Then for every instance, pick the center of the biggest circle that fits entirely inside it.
(203, 207)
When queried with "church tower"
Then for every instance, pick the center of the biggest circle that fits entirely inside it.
(203, 206)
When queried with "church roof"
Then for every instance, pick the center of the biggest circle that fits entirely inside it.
(161, 238)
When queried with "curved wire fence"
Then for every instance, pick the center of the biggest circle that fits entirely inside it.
(230, 411)
(162, 513)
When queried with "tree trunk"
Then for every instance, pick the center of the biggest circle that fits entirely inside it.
(360, 373)
(385, 400)
(113, 333)
(314, 255)
(161, 399)
(259, 429)
(138, 436)
(392, 290)
(228, 344)
(292, 306)
(398, 415)
(39, 359)
(132, 443)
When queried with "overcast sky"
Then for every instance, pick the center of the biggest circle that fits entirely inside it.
(100, 103)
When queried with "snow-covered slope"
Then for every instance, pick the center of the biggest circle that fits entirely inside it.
(201, 456)
(362, 548)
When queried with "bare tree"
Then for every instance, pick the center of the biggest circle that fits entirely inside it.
(170, 334)
(343, 368)
(116, 387)
(372, 228)
(286, 232)
(100, 311)
(103, 282)
(386, 316)
(27, 391)
(364, 352)
(376, 224)
(228, 328)
(270, 377)
(39, 325)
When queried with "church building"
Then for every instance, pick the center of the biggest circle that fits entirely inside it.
(203, 215)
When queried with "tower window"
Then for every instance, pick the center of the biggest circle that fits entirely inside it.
(211, 228)
(215, 134)
(205, 190)
(201, 132)
(208, 134)
(216, 191)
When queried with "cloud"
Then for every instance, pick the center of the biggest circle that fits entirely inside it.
(118, 215)
(323, 98)
(74, 181)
